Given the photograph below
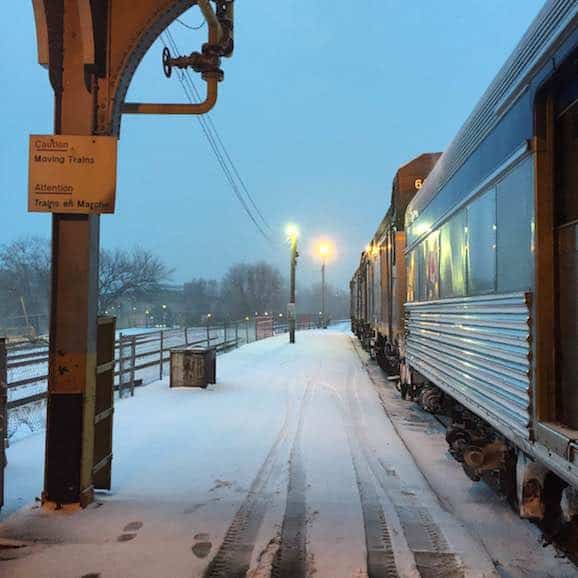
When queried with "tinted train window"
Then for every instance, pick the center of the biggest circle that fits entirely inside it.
(412, 271)
(515, 232)
(421, 277)
(432, 266)
(453, 256)
(481, 252)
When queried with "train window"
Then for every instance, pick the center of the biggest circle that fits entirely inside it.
(412, 272)
(432, 266)
(515, 230)
(481, 247)
(421, 292)
(453, 256)
(377, 285)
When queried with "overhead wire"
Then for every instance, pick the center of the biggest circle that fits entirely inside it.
(218, 147)
(189, 26)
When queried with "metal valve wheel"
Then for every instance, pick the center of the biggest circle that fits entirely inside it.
(167, 66)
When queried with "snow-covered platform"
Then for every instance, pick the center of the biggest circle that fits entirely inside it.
(301, 461)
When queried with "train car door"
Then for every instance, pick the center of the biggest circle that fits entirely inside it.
(556, 250)
(566, 254)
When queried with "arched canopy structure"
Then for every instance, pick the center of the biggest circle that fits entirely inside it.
(92, 49)
(115, 35)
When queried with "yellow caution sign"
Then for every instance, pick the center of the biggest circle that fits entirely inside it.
(72, 174)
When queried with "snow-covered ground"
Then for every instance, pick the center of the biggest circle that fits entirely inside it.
(288, 467)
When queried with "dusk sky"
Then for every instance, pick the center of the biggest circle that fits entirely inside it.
(321, 102)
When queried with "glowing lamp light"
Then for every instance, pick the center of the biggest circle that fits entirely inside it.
(292, 231)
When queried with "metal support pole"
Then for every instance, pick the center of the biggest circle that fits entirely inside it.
(3, 415)
(237, 334)
(186, 336)
(246, 331)
(324, 324)
(162, 354)
(132, 363)
(292, 312)
(120, 365)
(74, 289)
(208, 335)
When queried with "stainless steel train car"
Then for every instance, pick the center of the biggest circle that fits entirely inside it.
(378, 285)
(490, 309)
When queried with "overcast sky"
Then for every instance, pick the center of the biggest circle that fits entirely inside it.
(321, 102)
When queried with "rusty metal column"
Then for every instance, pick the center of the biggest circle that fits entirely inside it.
(75, 243)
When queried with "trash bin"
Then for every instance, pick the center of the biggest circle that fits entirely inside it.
(193, 366)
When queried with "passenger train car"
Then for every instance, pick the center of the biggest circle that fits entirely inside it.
(490, 261)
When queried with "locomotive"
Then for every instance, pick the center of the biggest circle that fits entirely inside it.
(467, 295)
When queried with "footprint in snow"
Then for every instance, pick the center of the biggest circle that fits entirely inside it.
(129, 532)
(201, 546)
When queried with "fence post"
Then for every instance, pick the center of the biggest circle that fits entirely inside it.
(132, 363)
(208, 335)
(162, 354)
(247, 330)
(3, 414)
(120, 365)
(186, 335)
(224, 332)
(236, 334)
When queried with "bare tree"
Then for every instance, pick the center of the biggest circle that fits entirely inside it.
(25, 280)
(248, 288)
(128, 274)
(201, 296)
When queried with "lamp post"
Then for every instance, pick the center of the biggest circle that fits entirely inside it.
(292, 234)
(323, 253)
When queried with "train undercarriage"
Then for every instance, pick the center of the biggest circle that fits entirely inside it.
(531, 489)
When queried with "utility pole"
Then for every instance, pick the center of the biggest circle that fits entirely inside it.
(324, 252)
(291, 309)
(324, 323)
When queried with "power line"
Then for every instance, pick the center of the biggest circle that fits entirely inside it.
(182, 23)
(213, 130)
(192, 95)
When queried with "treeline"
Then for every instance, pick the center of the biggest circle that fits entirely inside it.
(258, 288)
(134, 286)
(124, 275)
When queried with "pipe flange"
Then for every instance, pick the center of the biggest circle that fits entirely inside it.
(218, 74)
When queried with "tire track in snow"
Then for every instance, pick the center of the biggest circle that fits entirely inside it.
(233, 558)
(432, 553)
(291, 557)
(380, 555)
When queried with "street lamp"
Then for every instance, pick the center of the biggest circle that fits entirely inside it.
(292, 234)
(324, 253)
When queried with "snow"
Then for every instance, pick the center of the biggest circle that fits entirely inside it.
(293, 438)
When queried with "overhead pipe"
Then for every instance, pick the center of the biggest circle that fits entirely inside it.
(211, 77)
(194, 108)
(215, 29)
